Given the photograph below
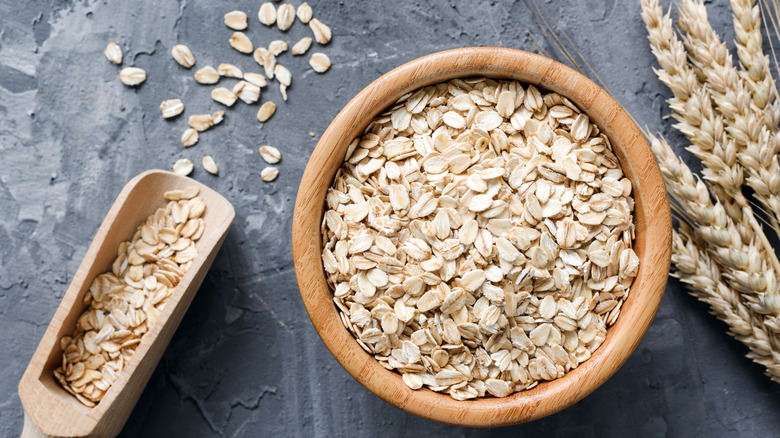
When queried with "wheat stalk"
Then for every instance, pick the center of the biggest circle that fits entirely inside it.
(755, 65)
(752, 134)
(701, 274)
(737, 246)
(692, 108)
(703, 127)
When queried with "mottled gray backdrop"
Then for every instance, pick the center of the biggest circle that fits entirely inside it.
(246, 360)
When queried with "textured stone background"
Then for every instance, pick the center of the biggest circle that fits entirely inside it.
(246, 360)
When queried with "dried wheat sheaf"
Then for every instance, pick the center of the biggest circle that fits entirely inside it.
(730, 115)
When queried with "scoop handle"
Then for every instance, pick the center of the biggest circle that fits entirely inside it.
(30, 430)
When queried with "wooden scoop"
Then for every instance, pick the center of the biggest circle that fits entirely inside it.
(48, 409)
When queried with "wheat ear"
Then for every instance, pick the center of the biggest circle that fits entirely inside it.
(755, 65)
(693, 110)
(701, 274)
(751, 134)
(748, 267)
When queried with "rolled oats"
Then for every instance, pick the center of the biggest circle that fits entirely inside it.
(266, 111)
(277, 47)
(202, 122)
(189, 137)
(230, 71)
(182, 167)
(236, 20)
(301, 46)
(210, 165)
(125, 303)
(241, 42)
(267, 59)
(256, 78)
(270, 154)
(183, 55)
(247, 91)
(207, 75)
(319, 62)
(478, 237)
(132, 76)
(304, 13)
(282, 75)
(171, 108)
(223, 96)
(321, 31)
(267, 14)
(285, 16)
(269, 174)
(113, 53)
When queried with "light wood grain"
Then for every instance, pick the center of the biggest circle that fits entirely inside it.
(49, 410)
(652, 245)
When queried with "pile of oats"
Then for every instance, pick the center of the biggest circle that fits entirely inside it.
(478, 237)
(126, 301)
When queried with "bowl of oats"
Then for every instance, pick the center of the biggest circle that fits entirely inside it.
(482, 237)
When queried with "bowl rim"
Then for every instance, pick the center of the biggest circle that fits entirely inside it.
(652, 219)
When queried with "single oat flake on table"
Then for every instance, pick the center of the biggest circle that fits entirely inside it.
(477, 238)
(125, 302)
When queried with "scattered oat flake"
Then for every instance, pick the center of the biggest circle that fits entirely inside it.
(267, 59)
(269, 174)
(230, 71)
(283, 91)
(285, 16)
(113, 53)
(319, 62)
(171, 108)
(256, 78)
(248, 93)
(266, 111)
(189, 137)
(304, 13)
(183, 55)
(223, 96)
(277, 47)
(201, 122)
(321, 31)
(301, 46)
(210, 165)
(132, 76)
(282, 74)
(207, 75)
(236, 20)
(241, 42)
(270, 154)
(182, 167)
(267, 14)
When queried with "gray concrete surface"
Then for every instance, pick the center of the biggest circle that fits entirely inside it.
(246, 360)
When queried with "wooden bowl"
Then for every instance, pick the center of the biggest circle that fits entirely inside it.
(652, 244)
(48, 409)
